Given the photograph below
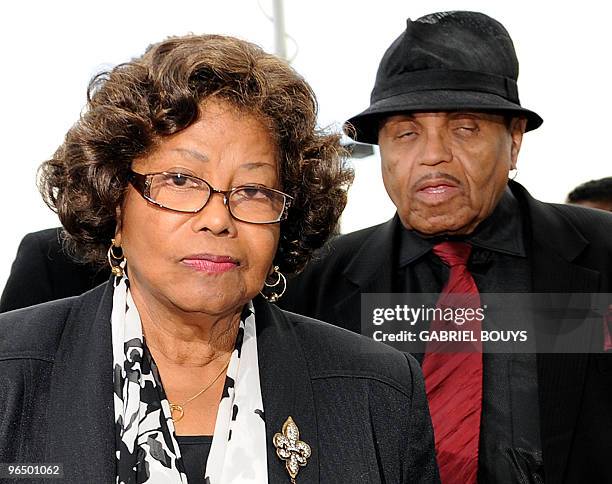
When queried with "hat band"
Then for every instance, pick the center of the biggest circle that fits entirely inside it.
(446, 79)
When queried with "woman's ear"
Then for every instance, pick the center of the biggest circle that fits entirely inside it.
(118, 225)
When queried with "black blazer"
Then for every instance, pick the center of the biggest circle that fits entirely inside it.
(361, 406)
(571, 251)
(42, 271)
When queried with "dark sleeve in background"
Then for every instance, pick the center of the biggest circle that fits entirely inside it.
(43, 272)
(421, 453)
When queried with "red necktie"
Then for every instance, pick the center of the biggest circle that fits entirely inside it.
(608, 329)
(453, 374)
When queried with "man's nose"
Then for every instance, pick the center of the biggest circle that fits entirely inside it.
(435, 148)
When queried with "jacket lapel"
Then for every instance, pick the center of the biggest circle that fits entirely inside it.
(369, 271)
(81, 429)
(286, 389)
(560, 376)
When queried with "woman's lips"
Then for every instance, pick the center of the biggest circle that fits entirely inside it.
(211, 263)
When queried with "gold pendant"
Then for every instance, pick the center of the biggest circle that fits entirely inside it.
(176, 409)
(117, 271)
(291, 449)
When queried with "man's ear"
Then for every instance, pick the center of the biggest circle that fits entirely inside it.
(517, 129)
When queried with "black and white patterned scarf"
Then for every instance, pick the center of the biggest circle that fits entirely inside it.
(146, 447)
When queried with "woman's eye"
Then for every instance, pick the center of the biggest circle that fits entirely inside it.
(178, 180)
(252, 193)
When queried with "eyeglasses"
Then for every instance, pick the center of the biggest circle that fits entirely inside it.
(256, 204)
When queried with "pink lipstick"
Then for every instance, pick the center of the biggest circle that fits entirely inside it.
(210, 263)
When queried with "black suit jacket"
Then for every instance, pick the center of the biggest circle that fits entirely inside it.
(361, 406)
(571, 251)
(42, 272)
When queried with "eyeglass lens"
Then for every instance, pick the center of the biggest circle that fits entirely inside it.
(188, 194)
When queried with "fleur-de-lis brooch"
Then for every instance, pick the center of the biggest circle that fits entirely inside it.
(291, 449)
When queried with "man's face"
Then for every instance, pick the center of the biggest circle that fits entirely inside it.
(446, 171)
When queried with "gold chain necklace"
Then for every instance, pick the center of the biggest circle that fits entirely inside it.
(176, 408)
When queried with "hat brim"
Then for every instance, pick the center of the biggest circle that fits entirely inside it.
(366, 124)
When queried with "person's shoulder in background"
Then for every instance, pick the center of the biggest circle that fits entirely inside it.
(43, 271)
(594, 224)
(323, 282)
(595, 228)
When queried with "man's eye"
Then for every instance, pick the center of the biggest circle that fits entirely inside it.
(405, 134)
(467, 128)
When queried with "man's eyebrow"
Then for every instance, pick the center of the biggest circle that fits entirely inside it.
(465, 114)
(395, 120)
(192, 153)
(404, 117)
(493, 117)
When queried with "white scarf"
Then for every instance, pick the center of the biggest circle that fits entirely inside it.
(146, 447)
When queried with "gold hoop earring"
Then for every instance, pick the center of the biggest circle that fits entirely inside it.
(115, 261)
(280, 283)
(515, 173)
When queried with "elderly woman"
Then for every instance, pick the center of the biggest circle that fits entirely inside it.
(197, 172)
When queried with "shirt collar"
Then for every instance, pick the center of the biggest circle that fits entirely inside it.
(501, 232)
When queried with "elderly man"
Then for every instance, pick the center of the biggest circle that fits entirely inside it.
(445, 113)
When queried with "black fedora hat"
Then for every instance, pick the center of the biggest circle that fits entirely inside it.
(445, 61)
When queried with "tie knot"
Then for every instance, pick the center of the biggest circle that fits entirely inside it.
(453, 253)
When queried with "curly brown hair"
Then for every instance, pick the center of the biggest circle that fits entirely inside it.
(134, 106)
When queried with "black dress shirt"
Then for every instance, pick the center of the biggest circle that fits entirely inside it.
(510, 448)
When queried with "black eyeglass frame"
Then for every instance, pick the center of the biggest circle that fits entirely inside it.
(142, 183)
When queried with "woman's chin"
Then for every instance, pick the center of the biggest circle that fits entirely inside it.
(209, 302)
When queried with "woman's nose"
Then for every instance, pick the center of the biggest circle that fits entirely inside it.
(215, 216)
